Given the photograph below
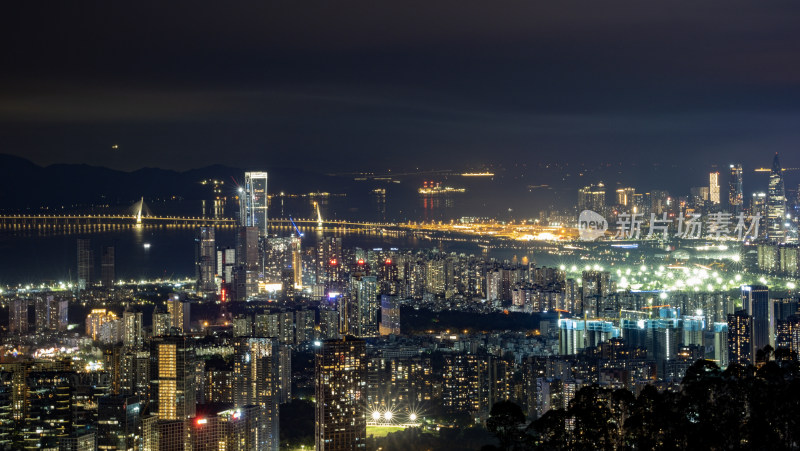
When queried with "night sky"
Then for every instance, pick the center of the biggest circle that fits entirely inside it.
(345, 85)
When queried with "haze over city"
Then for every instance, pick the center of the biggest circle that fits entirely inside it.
(389, 225)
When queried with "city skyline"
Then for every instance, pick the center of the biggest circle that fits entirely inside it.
(400, 226)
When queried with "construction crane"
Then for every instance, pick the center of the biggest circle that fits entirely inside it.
(296, 229)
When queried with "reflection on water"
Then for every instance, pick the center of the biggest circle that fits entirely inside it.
(434, 206)
(148, 252)
(40, 255)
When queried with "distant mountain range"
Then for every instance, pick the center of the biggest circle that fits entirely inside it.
(25, 186)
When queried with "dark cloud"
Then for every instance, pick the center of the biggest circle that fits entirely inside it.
(370, 84)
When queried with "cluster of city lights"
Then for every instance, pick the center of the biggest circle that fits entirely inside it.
(678, 278)
(387, 417)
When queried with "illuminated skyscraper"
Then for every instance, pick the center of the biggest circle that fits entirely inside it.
(297, 263)
(341, 408)
(721, 353)
(388, 278)
(776, 203)
(161, 322)
(304, 326)
(253, 202)
(179, 313)
(248, 263)
(740, 338)
(279, 256)
(51, 313)
(713, 188)
(49, 408)
(226, 264)
(390, 315)
(18, 316)
(788, 333)
(592, 197)
(329, 263)
(757, 303)
(95, 321)
(133, 336)
(359, 309)
(256, 374)
(218, 427)
(172, 379)
(735, 192)
(625, 196)
(205, 268)
(465, 387)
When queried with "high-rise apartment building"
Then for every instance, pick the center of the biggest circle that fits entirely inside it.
(133, 336)
(358, 310)
(329, 265)
(179, 313)
(253, 202)
(304, 326)
(226, 264)
(592, 197)
(735, 191)
(50, 403)
(95, 321)
(51, 313)
(328, 324)
(341, 408)
(256, 374)
(740, 338)
(713, 188)
(218, 427)
(465, 385)
(18, 316)
(172, 378)
(788, 333)
(625, 196)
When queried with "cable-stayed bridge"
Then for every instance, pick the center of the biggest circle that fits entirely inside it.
(140, 215)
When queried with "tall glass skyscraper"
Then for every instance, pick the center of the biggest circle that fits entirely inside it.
(205, 267)
(776, 203)
(735, 193)
(253, 202)
(757, 303)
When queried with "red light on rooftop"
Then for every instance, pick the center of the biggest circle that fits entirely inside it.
(388, 261)
(360, 261)
(333, 261)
